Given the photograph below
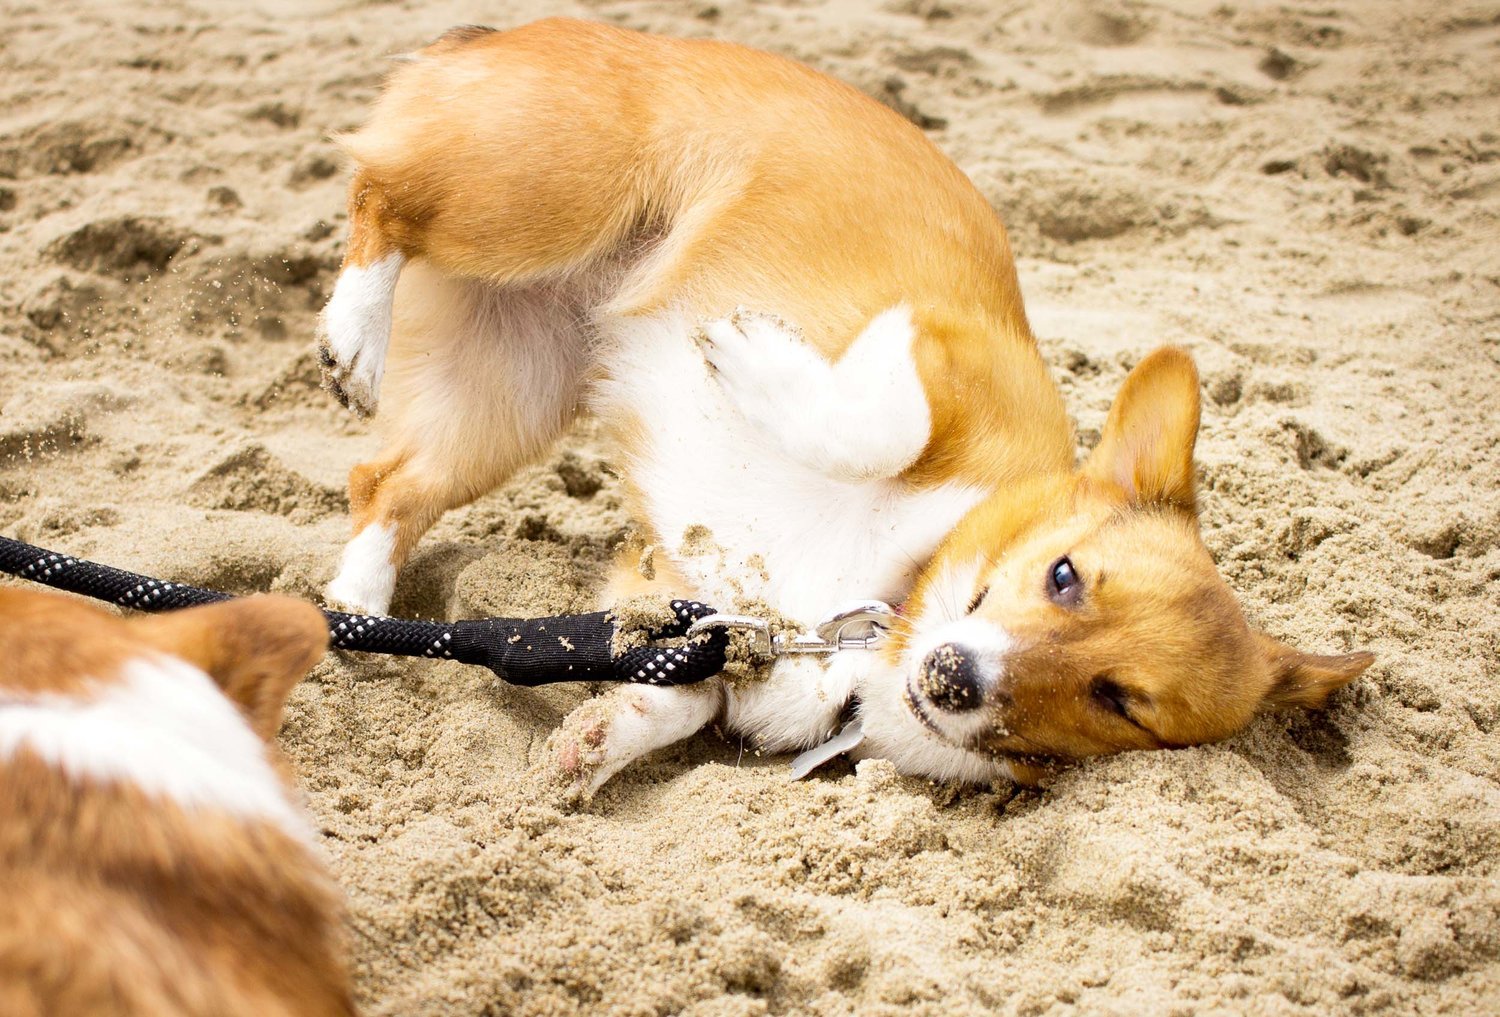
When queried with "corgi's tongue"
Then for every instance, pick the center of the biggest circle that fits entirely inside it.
(850, 735)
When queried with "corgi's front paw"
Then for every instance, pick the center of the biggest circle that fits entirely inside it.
(573, 764)
(761, 362)
(600, 737)
(766, 371)
(864, 417)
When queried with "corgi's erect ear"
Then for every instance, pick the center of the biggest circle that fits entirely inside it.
(1146, 448)
(255, 648)
(1307, 679)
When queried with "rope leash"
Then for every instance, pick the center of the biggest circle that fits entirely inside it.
(520, 651)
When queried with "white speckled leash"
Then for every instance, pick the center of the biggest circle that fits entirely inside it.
(520, 651)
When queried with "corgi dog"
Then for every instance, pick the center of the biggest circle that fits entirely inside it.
(801, 328)
(154, 858)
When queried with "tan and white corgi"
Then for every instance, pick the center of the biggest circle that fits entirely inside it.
(801, 326)
(153, 857)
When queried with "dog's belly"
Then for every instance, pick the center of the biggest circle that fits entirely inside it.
(752, 529)
(734, 514)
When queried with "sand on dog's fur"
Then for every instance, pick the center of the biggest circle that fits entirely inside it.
(1304, 195)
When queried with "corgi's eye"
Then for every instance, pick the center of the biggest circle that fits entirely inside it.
(1108, 694)
(984, 591)
(1063, 584)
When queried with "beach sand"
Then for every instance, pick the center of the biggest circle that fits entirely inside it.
(1305, 195)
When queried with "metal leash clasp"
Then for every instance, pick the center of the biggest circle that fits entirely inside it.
(860, 625)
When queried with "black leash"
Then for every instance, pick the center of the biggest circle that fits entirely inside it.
(521, 651)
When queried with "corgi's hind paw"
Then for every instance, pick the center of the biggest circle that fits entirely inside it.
(354, 390)
(354, 331)
(366, 577)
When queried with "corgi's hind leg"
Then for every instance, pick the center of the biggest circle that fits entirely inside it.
(482, 380)
(354, 330)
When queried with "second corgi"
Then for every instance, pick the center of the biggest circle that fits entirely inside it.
(801, 326)
(154, 857)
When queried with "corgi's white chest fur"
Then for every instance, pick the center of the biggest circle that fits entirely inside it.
(750, 466)
(770, 475)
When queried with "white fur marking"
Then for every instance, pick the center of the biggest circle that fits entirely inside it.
(821, 540)
(367, 576)
(862, 418)
(164, 727)
(356, 327)
(799, 703)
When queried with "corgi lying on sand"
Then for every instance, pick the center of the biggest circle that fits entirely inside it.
(153, 859)
(801, 326)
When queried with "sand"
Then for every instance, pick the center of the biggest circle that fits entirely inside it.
(1306, 195)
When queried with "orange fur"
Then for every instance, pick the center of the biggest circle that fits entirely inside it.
(371, 225)
(120, 902)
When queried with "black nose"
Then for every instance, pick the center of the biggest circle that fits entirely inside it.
(949, 679)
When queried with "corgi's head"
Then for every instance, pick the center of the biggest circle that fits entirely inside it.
(1082, 615)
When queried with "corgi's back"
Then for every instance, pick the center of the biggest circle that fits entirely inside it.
(750, 178)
